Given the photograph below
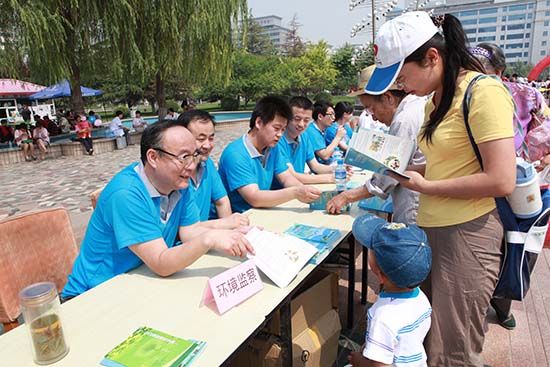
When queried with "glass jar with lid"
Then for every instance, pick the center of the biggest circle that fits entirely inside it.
(40, 306)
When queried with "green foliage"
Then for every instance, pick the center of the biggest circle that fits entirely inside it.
(348, 72)
(318, 72)
(255, 39)
(293, 45)
(173, 104)
(520, 68)
(323, 96)
(230, 104)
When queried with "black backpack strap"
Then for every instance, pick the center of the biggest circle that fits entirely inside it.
(466, 112)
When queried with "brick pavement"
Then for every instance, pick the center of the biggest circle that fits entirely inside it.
(67, 181)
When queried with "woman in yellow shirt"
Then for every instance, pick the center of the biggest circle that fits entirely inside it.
(457, 208)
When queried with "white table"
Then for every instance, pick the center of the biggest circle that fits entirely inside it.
(98, 320)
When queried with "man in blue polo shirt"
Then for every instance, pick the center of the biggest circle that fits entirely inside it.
(323, 117)
(297, 150)
(210, 194)
(143, 209)
(249, 164)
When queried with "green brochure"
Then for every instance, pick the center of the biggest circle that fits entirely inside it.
(148, 347)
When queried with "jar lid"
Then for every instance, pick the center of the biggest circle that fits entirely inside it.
(38, 293)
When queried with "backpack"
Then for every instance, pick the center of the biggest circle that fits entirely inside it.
(523, 238)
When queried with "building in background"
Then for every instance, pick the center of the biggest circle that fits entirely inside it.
(273, 28)
(520, 27)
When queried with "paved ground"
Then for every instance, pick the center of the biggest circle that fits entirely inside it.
(68, 181)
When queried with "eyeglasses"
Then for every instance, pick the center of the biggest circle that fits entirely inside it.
(185, 159)
(330, 114)
(400, 83)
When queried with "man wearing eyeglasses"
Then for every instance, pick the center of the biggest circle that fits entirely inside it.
(143, 210)
(205, 181)
(249, 164)
(323, 117)
(297, 150)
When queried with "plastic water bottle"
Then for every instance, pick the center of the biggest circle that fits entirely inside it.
(339, 172)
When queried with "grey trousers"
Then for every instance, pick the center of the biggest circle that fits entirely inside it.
(465, 267)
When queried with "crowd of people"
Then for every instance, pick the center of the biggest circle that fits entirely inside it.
(438, 263)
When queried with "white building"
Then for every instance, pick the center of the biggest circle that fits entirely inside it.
(273, 28)
(520, 27)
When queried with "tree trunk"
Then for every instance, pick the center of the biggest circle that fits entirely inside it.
(77, 102)
(161, 97)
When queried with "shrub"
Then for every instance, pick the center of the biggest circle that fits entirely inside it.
(323, 96)
(173, 104)
(229, 104)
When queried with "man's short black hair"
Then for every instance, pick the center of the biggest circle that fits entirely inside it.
(153, 134)
(138, 111)
(119, 112)
(195, 115)
(320, 108)
(341, 108)
(268, 107)
(301, 102)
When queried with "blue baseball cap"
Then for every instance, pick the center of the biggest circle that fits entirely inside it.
(401, 251)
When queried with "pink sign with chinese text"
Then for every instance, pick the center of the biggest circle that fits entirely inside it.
(233, 286)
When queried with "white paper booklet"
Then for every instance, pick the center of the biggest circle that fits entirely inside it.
(379, 152)
(279, 256)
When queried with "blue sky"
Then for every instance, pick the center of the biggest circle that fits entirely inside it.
(330, 20)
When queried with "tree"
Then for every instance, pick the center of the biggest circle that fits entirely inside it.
(318, 72)
(58, 38)
(293, 45)
(190, 41)
(520, 68)
(348, 69)
(256, 40)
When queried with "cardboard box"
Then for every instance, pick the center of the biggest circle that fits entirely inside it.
(315, 346)
(315, 328)
(318, 295)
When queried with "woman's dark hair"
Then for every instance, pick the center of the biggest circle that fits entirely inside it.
(91, 113)
(267, 108)
(152, 136)
(452, 46)
(341, 108)
(497, 58)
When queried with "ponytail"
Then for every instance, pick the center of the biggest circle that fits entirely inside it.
(452, 46)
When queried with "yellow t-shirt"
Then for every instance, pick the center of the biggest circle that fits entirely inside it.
(450, 153)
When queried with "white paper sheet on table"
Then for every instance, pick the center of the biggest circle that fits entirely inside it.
(280, 257)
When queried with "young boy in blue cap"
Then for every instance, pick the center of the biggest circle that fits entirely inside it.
(399, 320)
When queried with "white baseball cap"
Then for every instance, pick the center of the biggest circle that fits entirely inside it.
(397, 39)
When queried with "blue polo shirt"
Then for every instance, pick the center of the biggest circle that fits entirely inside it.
(129, 211)
(316, 138)
(330, 133)
(241, 165)
(296, 152)
(208, 189)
